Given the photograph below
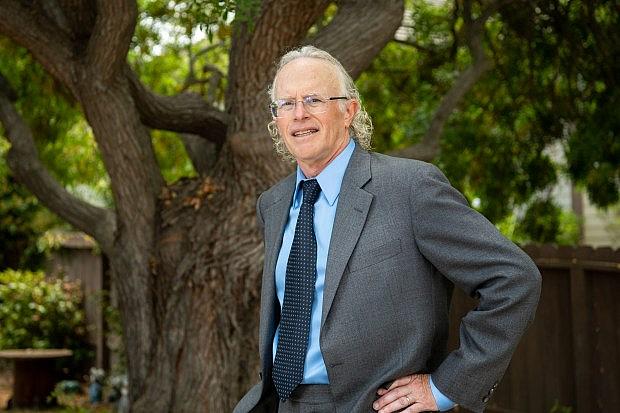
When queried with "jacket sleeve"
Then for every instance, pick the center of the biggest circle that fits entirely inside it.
(468, 250)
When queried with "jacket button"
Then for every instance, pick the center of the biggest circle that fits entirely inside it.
(485, 399)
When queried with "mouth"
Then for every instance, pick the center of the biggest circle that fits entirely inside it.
(304, 132)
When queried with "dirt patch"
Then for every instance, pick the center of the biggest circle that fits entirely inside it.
(6, 386)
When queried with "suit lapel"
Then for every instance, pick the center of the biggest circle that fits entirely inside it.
(353, 206)
(275, 216)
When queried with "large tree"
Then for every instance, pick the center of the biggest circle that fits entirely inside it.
(186, 258)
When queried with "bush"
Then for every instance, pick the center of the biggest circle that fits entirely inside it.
(39, 313)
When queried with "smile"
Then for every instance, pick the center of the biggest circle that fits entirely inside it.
(305, 132)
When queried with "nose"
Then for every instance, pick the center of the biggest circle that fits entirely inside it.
(300, 111)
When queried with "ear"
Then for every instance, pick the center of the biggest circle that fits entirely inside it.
(272, 127)
(352, 107)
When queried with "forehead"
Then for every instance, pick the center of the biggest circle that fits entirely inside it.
(306, 75)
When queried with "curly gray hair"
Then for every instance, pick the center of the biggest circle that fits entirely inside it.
(361, 125)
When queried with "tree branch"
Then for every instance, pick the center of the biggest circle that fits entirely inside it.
(55, 12)
(109, 42)
(30, 28)
(204, 50)
(185, 113)
(201, 152)
(24, 161)
(429, 147)
(359, 31)
(212, 81)
(80, 17)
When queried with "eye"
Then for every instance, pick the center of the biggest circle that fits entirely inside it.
(313, 100)
(285, 104)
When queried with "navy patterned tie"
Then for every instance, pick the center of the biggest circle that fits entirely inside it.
(288, 366)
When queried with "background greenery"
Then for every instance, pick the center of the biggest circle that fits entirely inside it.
(39, 313)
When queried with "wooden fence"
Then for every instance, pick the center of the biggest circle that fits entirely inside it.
(570, 356)
(77, 258)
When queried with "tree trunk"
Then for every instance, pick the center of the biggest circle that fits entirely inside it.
(207, 265)
(188, 265)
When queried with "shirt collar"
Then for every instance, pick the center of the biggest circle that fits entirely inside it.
(330, 178)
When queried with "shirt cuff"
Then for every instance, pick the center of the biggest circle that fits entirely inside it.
(443, 403)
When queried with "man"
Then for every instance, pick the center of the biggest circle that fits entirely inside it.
(361, 253)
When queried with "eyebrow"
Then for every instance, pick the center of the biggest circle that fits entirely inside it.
(304, 95)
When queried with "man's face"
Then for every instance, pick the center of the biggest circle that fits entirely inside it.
(314, 140)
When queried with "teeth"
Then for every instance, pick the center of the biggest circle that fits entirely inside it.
(305, 133)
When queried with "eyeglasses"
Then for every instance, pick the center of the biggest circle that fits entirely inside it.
(312, 103)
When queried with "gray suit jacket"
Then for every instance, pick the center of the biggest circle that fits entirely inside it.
(402, 237)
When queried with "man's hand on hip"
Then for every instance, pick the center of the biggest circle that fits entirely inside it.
(410, 394)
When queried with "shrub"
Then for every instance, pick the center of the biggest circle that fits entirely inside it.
(39, 313)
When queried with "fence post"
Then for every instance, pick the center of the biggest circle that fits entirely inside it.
(581, 314)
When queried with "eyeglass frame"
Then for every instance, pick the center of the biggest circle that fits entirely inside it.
(273, 106)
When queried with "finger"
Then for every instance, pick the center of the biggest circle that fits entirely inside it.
(396, 383)
(391, 396)
(401, 382)
(398, 405)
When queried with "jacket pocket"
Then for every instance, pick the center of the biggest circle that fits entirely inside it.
(375, 255)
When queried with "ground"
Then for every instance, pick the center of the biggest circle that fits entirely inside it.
(6, 384)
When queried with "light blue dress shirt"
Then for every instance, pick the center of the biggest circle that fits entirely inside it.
(330, 180)
(443, 403)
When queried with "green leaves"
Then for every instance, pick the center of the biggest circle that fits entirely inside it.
(210, 16)
(594, 151)
(64, 140)
(22, 220)
(553, 85)
(40, 313)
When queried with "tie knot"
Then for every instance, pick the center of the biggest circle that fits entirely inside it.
(311, 191)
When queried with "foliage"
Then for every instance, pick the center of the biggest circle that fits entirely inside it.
(495, 146)
(39, 313)
(571, 74)
(21, 221)
(66, 147)
(63, 138)
(71, 402)
(208, 15)
(544, 220)
(559, 226)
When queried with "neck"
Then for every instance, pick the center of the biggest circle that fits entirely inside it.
(313, 170)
